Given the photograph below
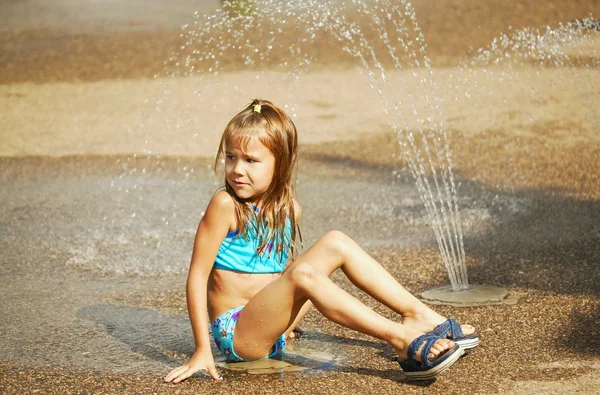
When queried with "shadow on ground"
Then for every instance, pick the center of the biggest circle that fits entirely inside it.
(166, 339)
(150, 333)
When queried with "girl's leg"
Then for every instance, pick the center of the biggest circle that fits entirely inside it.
(294, 326)
(368, 275)
(275, 308)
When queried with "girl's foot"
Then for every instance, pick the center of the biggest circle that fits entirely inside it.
(440, 347)
(427, 320)
(417, 367)
(296, 333)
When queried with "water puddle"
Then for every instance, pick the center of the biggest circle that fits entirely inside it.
(296, 359)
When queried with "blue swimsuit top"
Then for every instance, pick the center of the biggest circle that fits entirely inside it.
(239, 253)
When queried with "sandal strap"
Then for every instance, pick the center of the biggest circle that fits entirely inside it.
(457, 332)
(449, 327)
(429, 339)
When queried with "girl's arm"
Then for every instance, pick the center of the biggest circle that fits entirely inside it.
(213, 228)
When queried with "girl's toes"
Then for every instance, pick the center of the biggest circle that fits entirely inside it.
(467, 329)
(444, 345)
(439, 348)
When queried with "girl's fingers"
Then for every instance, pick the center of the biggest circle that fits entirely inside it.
(183, 372)
(212, 370)
(187, 373)
(174, 373)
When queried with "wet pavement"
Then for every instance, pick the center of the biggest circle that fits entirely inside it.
(97, 293)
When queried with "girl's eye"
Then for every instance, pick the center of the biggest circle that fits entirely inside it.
(230, 157)
(251, 160)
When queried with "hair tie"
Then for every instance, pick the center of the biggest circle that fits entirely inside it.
(257, 108)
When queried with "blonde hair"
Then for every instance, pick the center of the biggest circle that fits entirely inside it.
(268, 123)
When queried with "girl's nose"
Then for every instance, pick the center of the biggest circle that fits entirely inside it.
(238, 168)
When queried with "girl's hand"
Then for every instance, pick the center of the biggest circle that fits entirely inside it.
(199, 361)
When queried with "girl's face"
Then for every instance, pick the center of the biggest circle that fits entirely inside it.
(249, 172)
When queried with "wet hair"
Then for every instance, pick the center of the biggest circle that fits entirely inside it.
(268, 123)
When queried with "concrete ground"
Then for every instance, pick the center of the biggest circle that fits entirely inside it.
(106, 171)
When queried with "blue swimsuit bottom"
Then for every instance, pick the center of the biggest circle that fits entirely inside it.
(223, 329)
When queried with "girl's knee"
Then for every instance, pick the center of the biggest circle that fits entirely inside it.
(303, 274)
(337, 240)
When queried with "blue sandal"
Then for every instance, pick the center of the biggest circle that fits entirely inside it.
(426, 369)
(450, 329)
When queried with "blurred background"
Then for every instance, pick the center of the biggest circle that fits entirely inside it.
(89, 40)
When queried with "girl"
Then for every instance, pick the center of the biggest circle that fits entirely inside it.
(243, 243)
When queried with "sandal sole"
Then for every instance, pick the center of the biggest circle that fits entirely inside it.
(434, 371)
(467, 344)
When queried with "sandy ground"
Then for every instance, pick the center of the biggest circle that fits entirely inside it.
(120, 117)
(105, 172)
